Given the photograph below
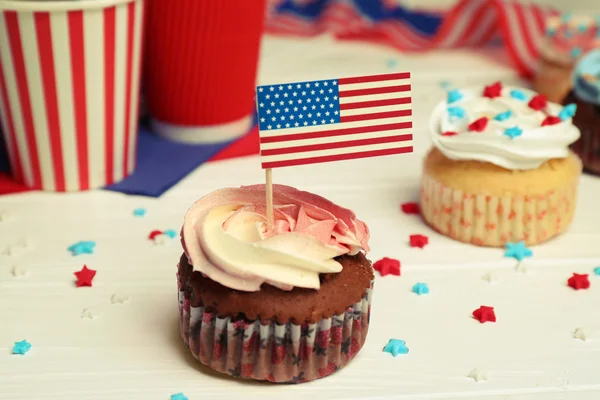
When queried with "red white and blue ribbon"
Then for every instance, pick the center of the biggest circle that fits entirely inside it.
(471, 23)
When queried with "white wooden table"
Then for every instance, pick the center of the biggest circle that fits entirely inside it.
(133, 350)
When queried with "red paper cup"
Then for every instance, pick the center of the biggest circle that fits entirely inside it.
(200, 67)
(69, 90)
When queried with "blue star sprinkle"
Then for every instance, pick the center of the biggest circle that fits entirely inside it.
(456, 112)
(575, 52)
(517, 250)
(454, 95)
(395, 347)
(445, 84)
(503, 116)
(550, 32)
(568, 33)
(518, 95)
(513, 132)
(170, 233)
(567, 112)
(420, 288)
(597, 271)
(178, 396)
(582, 27)
(566, 17)
(139, 212)
(21, 347)
(83, 247)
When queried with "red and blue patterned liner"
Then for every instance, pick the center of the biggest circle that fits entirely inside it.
(289, 353)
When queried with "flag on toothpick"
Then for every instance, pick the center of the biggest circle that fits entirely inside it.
(334, 119)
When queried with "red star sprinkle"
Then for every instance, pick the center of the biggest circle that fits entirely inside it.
(154, 234)
(410, 208)
(418, 241)
(478, 125)
(449, 133)
(538, 102)
(579, 281)
(493, 90)
(387, 266)
(485, 314)
(85, 276)
(551, 120)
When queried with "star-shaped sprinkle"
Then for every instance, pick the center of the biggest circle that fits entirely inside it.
(119, 298)
(478, 125)
(410, 208)
(395, 347)
(576, 52)
(387, 266)
(18, 271)
(139, 212)
(162, 239)
(21, 347)
(178, 396)
(493, 90)
(597, 271)
(391, 63)
(23, 243)
(485, 314)
(538, 102)
(420, 288)
(82, 247)
(503, 116)
(85, 276)
(418, 240)
(517, 250)
(520, 268)
(566, 17)
(582, 27)
(449, 133)
(9, 251)
(490, 277)
(567, 112)
(518, 95)
(170, 233)
(89, 313)
(445, 84)
(582, 334)
(456, 112)
(513, 132)
(478, 375)
(154, 234)
(551, 120)
(579, 281)
(454, 95)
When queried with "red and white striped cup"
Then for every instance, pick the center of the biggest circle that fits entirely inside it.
(200, 67)
(69, 90)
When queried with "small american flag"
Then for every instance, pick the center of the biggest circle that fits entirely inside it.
(334, 119)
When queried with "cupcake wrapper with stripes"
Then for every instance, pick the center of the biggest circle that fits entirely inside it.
(493, 221)
(288, 353)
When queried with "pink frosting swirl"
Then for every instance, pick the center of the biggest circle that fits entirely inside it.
(226, 237)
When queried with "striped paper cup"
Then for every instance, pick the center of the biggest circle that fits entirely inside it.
(200, 67)
(69, 90)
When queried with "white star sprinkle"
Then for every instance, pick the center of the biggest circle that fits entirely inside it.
(119, 298)
(89, 313)
(582, 334)
(490, 277)
(9, 251)
(162, 239)
(478, 375)
(521, 268)
(18, 271)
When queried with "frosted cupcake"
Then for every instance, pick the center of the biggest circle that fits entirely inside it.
(286, 303)
(500, 169)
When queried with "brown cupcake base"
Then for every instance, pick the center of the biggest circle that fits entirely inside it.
(587, 119)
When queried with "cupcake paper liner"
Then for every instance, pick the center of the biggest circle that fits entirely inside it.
(493, 221)
(285, 353)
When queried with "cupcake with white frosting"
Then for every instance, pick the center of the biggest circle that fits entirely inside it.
(500, 169)
(288, 302)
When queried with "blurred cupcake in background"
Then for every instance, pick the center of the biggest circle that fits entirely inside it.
(586, 95)
(568, 38)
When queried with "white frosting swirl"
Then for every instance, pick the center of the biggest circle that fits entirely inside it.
(226, 237)
(535, 145)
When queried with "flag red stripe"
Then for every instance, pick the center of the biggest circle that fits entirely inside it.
(79, 95)
(379, 115)
(14, 151)
(336, 132)
(337, 157)
(374, 78)
(525, 29)
(336, 145)
(375, 103)
(44, 39)
(14, 37)
(140, 63)
(109, 90)
(128, 83)
(377, 90)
